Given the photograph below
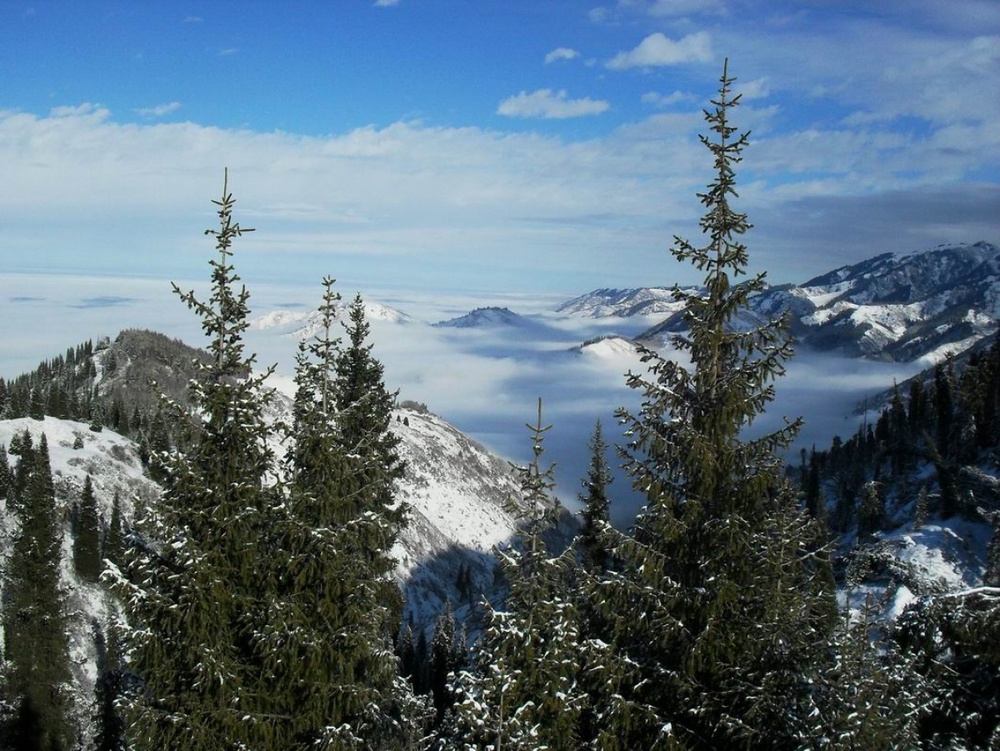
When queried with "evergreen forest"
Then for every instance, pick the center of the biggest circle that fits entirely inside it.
(254, 604)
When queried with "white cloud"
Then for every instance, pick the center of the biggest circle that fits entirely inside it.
(85, 110)
(598, 15)
(159, 110)
(386, 3)
(561, 53)
(756, 89)
(684, 7)
(659, 50)
(623, 11)
(550, 105)
(666, 100)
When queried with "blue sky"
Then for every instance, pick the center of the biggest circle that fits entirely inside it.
(490, 145)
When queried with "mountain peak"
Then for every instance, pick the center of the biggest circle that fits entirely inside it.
(485, 317)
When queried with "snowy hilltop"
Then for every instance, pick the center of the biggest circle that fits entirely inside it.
(895, 306)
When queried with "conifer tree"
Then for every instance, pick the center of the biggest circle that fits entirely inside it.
(114, 539)
(596, 505)
(35, 640)
(110, 727)
(364, 409)
(36, 409)
(344, 690)
(868, 696)
(6, 474)
(722, 603)
(445, 658)
(364, 414)
(87, 544)
(193, 593)
(525, 691)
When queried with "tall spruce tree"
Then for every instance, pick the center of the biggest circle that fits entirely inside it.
(364, 409)
(35, 641)
(364, 414)
(345, 691)
(87, 543)
(526, 688)
(721, 604)
(596, 504)
(193, 593)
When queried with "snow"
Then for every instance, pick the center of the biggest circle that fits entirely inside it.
(111, 460)
(485, 317)
(305, 324)
(611, 348)
(114, 466)
(940, 558)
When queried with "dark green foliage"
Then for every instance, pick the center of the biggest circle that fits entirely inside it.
(96, 416)
(87, 543)
(36, 409)
(953, 642)
(114, 539)
(260, 609)
(347, 692)
(526, 689)
(719, 606)
(35, 643)
(364, 413)
(947, 428)
(6, 474)
(194, 594)
(868, 696)
(596, 504)
(447, 656)
(871, 512)
(109, 687)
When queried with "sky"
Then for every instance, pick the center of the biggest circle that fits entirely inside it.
(488, 146)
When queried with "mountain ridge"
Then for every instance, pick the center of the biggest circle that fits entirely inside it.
(893, 306)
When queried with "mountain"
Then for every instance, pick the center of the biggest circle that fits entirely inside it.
(608, 347)
(491, 317)
(622, 303)
(305, 324)
(463, 500)
(898, 307)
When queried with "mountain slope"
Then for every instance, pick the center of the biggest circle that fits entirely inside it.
(899, 307)
(463, 500)
(622, 303)
(489, 317)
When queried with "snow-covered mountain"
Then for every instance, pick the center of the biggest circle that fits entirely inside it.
(622, 303)
(486, 318)
(301, 324)
(463, 500)
(608, 347)
(899, 307)
(113, 463)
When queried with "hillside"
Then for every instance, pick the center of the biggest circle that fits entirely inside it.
(462, 500)
(896, 306)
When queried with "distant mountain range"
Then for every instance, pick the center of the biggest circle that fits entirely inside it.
(899, 307)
